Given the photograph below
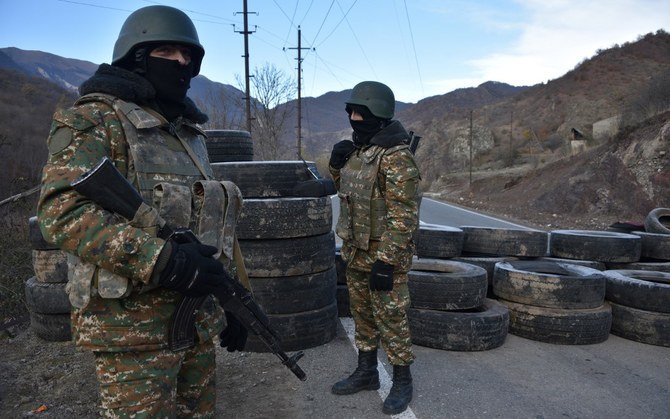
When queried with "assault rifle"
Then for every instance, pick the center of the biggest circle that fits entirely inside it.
(413, 142)
(107, 187)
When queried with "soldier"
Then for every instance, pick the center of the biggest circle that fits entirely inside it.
(124, 281)
(378, 185)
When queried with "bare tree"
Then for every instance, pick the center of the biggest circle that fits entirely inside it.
(270, 88)
(223, 111)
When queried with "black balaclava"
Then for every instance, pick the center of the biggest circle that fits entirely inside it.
(367, 128)
(170, 79)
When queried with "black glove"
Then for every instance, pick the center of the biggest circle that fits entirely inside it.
(340, 154)
(314, 188)
(191, 270)
(381, 276)
(234, 336)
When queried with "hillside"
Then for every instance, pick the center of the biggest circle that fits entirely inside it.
(629, 82)
(618, 181)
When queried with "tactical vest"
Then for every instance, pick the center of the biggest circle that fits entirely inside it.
(362, 216)
(171, 171)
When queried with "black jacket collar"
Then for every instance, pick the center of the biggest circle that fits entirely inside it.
(132, 87)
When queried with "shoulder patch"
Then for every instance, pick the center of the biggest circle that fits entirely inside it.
(80, 119)
(60, 139)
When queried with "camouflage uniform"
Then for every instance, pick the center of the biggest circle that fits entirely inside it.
(379, 206)
(128, 334)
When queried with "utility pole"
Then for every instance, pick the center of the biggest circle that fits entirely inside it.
(247, 94)
(299, 48)
(470, 147)
(511, 119)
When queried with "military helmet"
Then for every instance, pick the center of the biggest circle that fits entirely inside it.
(158, 24)
(377, 97)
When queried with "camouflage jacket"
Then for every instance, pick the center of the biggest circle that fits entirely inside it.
(79, 137)
(379, 202)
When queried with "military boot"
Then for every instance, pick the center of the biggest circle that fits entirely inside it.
(365, 377)
(401, 391)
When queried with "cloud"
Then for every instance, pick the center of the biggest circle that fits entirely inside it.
(558, 34)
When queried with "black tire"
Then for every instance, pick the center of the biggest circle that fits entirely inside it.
(560, 326)
(645, 290)
(46, 298)
(593, 264)
(288, 257)
(299, 331)
(654, 245)
(436, 284)
(602, 246)
(658, 221)
(36, 238)
(549, 284)
(50, 265)
(51, 327)
(226, 158)
(278, 218)
(290, 294)
(488, 263)
(437, 241)
(640, 266)
(229, 145)
(477, 329)
(264, 179)
(343, 305)
(640, 325)
(505, 241)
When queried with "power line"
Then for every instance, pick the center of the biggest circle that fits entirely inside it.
(95, 5)
(307, 12)
(338, 23)
(361, 47)
(416, 58)
(323, 21)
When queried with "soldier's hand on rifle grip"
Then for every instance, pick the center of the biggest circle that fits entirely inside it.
(381, 276)
(190, 269)
(234, 336)
(340, 154)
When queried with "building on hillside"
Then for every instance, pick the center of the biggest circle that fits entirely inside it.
(606, 128)
(577, 142)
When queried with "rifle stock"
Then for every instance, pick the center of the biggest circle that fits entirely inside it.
(108, 188)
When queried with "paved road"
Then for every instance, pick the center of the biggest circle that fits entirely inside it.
(436, 212)
(521, 379)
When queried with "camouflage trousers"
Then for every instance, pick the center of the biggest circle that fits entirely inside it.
(381, 315)
(158, 383)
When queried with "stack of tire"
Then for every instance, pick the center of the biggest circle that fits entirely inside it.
(486, 246)
(229, 145)
(554, 302)
(289, 251)
(449, 309)
(46, 299)
(639, 292)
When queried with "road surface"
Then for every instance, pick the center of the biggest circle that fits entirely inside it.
(521, 379)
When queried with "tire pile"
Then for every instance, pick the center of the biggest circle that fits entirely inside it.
(229, 145)
(46, 299)
(289, 251)
(569, 287)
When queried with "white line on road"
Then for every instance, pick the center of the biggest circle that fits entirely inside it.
(476, 213)
(384, 378)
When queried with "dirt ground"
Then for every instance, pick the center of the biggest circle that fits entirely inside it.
(55, 380)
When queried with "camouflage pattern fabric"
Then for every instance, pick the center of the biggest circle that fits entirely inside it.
(395, 184)
(392, 178)
(158, 383)
(381, 315)
(79, 138)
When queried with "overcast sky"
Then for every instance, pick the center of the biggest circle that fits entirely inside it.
(419, 48)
